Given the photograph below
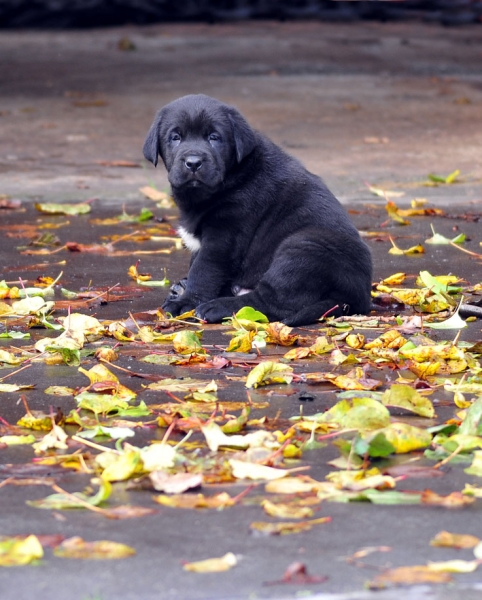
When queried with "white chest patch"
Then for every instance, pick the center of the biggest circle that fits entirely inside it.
(190, 241)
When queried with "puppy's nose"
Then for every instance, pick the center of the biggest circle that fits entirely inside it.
(193, 162)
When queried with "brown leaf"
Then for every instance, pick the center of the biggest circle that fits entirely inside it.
(128, 512)
(454, 540)
(453, 500)
(118, 163)
(297, 573)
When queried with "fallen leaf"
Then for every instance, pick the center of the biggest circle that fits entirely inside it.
(212, 565)
(15, 552)
(77, 548)
(287, 527)
(453, 500)
(454, 566)
(444, 539)
(268, 372)
(51, 208)
(249, 470)
(297, 573)
(192, 501)
(176, 483)
(415, 575)
(286, 511)
(404, 396)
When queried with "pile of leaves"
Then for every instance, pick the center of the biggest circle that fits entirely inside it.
(209, 438)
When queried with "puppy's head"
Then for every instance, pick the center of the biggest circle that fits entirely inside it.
(199, 140)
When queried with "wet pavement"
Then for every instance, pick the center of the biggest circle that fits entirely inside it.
(384, 104)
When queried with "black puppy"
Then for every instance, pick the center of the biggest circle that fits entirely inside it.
(263, 231)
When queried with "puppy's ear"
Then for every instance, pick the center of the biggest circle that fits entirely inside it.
(152, 146)
(244, 137)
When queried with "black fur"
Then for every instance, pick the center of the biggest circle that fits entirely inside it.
(264, 223)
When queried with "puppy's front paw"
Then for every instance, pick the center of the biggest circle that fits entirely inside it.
(177, 290)
(178, 307)
(215, 311)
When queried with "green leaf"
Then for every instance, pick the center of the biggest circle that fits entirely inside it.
(250, 314)
(15, 440)
(62, 501)
(154, 283)
(235, 425)
(379, 497)
(375, 446)
(438, 238)
(472, 425)
(100, 403)
(451, 178)
(141, 410)
(14, 335)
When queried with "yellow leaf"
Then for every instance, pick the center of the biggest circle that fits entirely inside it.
(286, 511)
(297, 353)
(99, 373)
(16, 552)
(249, 470)
(404, 396)
(119, 467)
(435, 351)
(395, 279)
(212, 565)
(293, 485)
(361, 480)
(418, 249)
(322, 345)
(241, 343)
(454, 566)
(393, 212)
(287, 527)
(77, 548)
(268, 372)
(193, 501)
(355, 340)
(406, 438)
(409, 576)
(389, 339)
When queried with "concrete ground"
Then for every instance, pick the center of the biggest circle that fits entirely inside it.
(357, 103)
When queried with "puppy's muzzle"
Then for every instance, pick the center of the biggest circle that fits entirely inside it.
(193, 163)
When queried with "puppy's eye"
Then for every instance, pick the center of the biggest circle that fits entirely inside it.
(175, 137)
(214, 137)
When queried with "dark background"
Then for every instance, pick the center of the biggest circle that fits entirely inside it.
(100, 13)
